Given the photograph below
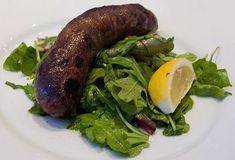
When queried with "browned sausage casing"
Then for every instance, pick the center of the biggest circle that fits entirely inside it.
(62, 74)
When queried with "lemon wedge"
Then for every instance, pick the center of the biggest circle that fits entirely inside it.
(170, 83)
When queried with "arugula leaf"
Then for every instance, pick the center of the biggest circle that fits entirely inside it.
(93, 97)
(210, 80)
(29, 62)
(28, 89)
(110, 74)
(153, 62)
(178, 125)
(157, 60)
(147, 45)
(181, 127)
(90, 99)
(185, 105)
(146, 71)
(202, 65)
(122, 47)
(128, 125)
(128, 93)
(156, 115)
(153, 45)
(14, 61)
(218, 78)
(128, 62)
(207, 90)
(84, 121)
(130, 89)
(22, 59)
(95, 74)
(104, 126)
(25, 59)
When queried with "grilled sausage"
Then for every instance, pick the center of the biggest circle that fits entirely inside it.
(62, 74)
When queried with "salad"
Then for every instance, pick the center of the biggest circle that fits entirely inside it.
(119, 108)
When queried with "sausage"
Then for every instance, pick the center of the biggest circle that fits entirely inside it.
(61, 75)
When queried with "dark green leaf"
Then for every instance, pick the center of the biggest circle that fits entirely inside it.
(14, 61)
(202, 65)
(176, 127)
(210, 80)
(185, 105)
(146, 71)
(128, 93)
(180, 129)
(29, 62)
(206, 90)
(93, 98)
(110, 74)
(156, 115)
(85, 120)
(95, 74)
(28, 89)
(13, 86)
(153, 46)
(129, 62)
(129, 126)
(90, 99)
(22, 59)
(153, 62)
(223, 80)
(122, 47)
(28, 66)
(156, 61)
(218, 78)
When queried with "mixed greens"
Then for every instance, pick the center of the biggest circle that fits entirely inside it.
(115, 109)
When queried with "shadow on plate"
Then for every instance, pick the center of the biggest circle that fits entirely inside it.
(49, 123)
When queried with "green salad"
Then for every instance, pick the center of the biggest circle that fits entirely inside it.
(116, 110)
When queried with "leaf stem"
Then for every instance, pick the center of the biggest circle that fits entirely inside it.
(13, 86)
(37, 54)
(214, 52)
(132, 128)
(171, 122)
(36, 43)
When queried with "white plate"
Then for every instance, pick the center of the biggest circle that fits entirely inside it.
(198, 26)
